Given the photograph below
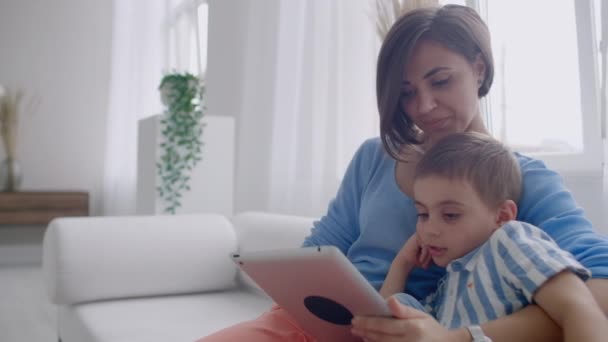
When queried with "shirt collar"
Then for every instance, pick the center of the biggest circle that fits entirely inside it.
(467, 262)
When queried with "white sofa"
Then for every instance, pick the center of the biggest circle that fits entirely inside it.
(157, 278)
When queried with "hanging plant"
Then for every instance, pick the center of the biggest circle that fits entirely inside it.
(181, 131)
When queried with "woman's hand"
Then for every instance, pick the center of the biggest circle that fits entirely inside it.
(407, 325)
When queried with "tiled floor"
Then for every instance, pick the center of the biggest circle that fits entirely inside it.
(25, 312)
(26, 315)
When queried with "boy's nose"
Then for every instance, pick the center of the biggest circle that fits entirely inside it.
(431, 231)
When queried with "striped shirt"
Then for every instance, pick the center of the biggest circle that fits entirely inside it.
(499, 277)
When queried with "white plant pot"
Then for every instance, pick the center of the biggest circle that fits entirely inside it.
(212, 179)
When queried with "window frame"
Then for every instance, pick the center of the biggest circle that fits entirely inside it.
(181, 8)
(591, 159)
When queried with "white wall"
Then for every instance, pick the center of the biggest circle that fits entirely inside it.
(60, 51)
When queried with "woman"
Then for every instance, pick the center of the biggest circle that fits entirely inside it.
(433, 67)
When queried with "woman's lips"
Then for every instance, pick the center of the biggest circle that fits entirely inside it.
(436, 251)
(436, 123)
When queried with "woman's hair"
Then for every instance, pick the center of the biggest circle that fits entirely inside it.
(488, 165)
(457, 28)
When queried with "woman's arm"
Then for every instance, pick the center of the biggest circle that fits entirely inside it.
(528, 324)
(533, 324)
(567, 300)
(599, 289)
(547, 204)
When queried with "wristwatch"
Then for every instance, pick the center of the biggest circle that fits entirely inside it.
(477, 334)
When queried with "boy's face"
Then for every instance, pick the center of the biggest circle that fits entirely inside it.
(452, 219)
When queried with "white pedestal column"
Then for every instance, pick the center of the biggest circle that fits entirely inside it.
(212, 179)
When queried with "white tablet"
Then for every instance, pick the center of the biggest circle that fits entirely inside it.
(318, 286)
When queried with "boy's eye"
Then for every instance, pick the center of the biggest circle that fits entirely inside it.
(451, 216)
(423, 216)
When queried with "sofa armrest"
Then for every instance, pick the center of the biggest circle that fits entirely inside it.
(95, 258)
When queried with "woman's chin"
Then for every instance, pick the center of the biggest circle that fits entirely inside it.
(436, 135)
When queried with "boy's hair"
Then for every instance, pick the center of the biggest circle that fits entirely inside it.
(488, 165)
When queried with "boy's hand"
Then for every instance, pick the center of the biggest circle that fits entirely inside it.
(406, 325)
(413, 253)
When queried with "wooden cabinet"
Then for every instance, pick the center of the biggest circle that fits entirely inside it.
(41, 207)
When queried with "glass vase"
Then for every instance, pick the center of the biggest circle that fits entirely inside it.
(10, 175)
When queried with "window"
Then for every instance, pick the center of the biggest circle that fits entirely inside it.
(187, 35)
(544, 100)
(601, 25)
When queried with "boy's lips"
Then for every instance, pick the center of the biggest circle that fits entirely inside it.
(436, 251)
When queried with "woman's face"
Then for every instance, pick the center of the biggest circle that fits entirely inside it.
(439, 91)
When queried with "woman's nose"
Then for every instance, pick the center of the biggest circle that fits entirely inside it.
(426, 102)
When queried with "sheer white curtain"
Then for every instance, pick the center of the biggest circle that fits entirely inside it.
(138, 58)
(150, 37)
(324, 105)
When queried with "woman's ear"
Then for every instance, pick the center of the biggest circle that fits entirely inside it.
(506, 212)
(480, 69)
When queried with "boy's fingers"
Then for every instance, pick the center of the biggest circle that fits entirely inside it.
(425, 258)
(422, 255)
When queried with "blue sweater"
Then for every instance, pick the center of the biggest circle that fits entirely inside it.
(371, 218)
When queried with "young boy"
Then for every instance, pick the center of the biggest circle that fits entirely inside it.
(465, 189)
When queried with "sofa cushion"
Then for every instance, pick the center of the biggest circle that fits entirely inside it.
(95, 258)
(162, 319)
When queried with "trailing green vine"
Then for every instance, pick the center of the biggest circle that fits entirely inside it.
(181, 132)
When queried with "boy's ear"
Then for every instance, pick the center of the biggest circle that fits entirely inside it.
(506, 212)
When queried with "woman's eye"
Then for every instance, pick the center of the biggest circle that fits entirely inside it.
(406, 95)
(440, 83)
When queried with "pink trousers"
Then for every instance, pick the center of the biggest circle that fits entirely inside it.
(272, 326)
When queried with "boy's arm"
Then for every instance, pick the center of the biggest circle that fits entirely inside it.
(410, 256)
(568, 301)
(396, 278)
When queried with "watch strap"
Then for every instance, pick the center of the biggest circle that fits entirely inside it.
(477, 334)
